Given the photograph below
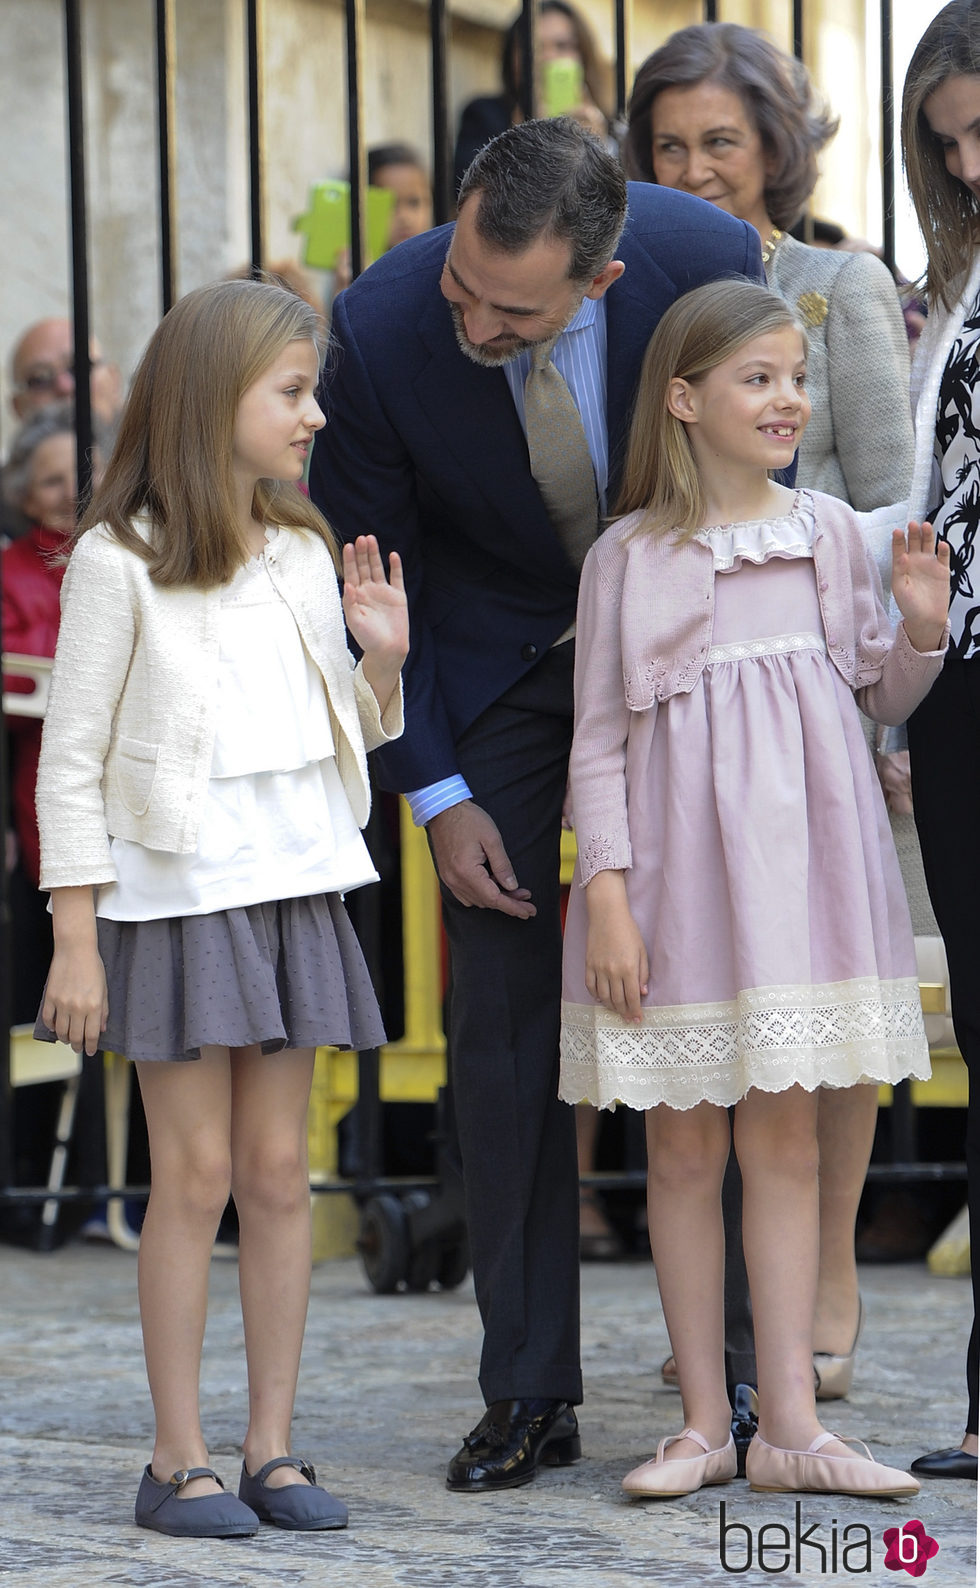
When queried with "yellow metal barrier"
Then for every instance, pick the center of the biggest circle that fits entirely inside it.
(411, 1069)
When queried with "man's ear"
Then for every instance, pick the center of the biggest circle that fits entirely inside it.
(680, 400)
(603, 281)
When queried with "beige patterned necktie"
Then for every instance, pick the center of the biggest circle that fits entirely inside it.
(559, 455)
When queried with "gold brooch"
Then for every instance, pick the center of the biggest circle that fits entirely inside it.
(812, 307)
(771, 243)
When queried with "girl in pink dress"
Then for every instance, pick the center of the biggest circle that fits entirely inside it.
(739, 934)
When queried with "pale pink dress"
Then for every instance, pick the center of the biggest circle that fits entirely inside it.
(764, 878)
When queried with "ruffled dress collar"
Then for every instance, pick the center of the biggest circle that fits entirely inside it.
(757, 540)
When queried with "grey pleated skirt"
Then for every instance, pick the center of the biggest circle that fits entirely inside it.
(279, 975)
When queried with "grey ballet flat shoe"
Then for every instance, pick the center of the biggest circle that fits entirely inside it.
(159, 1507)
(301, 1507)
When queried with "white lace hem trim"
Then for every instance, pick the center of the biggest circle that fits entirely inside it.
(837, 1034)
(770, 645)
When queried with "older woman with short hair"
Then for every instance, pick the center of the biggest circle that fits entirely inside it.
(719, 111)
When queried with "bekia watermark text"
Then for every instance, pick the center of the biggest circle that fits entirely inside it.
(821, 1547)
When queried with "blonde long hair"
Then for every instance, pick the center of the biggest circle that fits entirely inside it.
(172, 461)
(698, 332)
(947, 211)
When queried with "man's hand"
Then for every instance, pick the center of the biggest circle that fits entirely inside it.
(473, 863)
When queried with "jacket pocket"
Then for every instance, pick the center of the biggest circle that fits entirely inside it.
(136, 770)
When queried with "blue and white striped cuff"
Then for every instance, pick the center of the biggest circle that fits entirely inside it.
(424, 803)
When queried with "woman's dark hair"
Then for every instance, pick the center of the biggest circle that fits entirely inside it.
(775, 89)
(948, 211)
(593, 71)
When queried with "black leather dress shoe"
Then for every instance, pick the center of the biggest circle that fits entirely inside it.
(955, 1463)
(745, 1420)
(510, 1442)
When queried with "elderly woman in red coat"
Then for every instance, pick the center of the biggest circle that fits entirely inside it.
(39, 483)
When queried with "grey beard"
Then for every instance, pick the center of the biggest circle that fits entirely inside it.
(486, 357)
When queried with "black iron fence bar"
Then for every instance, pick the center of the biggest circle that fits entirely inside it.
(525, 80)
(442, 148)
(79, 247)
(254, 39)
(798, 29)
(887, 137)
(356, 151)
(624, 18)
(166, 43)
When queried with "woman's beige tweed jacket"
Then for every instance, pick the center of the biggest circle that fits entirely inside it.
(859, 444)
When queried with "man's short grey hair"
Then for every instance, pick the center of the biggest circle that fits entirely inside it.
(54, 419)
(549, 179)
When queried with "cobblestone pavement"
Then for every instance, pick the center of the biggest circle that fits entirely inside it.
(387, 1390)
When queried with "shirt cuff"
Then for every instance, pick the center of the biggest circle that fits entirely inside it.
(424, 803)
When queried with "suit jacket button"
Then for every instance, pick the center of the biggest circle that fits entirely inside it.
(528, 652)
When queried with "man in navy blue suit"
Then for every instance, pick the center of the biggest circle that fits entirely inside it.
(426, 447)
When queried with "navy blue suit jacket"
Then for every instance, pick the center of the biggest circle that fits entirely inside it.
(424, 449)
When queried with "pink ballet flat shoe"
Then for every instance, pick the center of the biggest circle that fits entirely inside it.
(658, 1479)
(808, 1472)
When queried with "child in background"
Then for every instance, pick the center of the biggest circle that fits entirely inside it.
(398, 167)
(202, 780)
(739, 933)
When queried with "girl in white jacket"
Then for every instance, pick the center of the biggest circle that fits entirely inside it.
(201, 786)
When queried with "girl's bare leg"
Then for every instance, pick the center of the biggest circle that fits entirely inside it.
(270, 1181)
(687, 1151)
(845, 1133)
(776, 1143)
(188, 1112)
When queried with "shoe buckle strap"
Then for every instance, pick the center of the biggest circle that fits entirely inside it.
(179, 1480)
(301, 1466)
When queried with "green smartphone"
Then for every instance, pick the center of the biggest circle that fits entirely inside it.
(327, 223)
(562, 82)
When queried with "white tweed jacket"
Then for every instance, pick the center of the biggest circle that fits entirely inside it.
(859, 443)
(129, 729)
